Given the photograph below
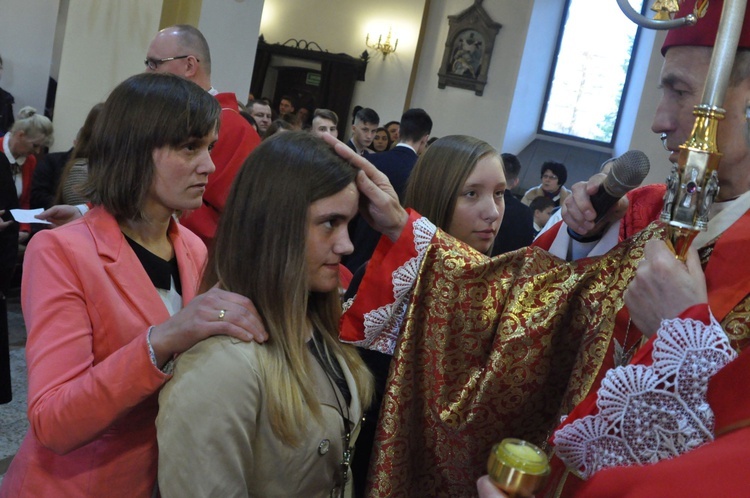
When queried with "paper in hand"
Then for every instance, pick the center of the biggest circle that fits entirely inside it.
(27, 216)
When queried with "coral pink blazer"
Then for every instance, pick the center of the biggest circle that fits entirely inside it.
(88, 303)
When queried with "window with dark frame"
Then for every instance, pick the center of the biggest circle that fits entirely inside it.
(590, 72)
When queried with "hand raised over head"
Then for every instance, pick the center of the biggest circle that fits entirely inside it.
(379, 202)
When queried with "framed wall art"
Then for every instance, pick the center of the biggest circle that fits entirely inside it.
(468, 49)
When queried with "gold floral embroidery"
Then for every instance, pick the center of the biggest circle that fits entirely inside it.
(492, 348)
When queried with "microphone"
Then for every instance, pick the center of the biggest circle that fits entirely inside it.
(627, 173)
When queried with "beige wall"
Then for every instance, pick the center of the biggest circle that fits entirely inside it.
(231, 28)
(180, 12)
(105, 42)
(341, 27)
(459, 111)
(27, 31)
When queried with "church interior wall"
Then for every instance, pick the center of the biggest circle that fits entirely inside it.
(341, 27)
(27, 31)
(460, 111)
(231, 29)
(105, 42)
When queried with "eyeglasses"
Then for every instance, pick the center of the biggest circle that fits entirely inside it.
(152, 64)
(549, 177)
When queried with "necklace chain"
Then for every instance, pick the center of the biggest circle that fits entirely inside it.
(623, 356)
(346, 460)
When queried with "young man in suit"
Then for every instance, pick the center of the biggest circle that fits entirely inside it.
(366, 121)
(397, 163)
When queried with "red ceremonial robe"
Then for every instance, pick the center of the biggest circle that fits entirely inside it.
(715, 469)
(236, 140)
(728, 283)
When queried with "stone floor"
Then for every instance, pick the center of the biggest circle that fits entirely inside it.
(13, 421)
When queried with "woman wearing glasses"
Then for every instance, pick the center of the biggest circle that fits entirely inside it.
(110, 298)
(554, 175)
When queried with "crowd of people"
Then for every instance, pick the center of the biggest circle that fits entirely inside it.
(202, 323)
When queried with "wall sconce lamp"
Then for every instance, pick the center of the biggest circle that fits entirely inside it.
(384, 48)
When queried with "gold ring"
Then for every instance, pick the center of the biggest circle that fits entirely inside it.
(221, 314)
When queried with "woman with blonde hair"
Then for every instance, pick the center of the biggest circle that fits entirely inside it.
(278, 419)
(458, 184)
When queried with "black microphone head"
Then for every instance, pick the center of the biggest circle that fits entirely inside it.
(627, 173)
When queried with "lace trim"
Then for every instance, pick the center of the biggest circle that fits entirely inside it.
(382, 325)
(647, 414)
(347, 304)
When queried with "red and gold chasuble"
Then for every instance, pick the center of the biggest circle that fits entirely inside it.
(505, 347)
(490, 348)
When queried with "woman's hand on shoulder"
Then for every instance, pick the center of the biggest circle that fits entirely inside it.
(216, 312)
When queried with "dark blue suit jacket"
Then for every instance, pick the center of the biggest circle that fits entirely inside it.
(397, 164)
(517, 229)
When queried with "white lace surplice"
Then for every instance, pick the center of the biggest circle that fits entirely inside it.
(647, 414)
(382, 326)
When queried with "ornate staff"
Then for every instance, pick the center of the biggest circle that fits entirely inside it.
(693, 182)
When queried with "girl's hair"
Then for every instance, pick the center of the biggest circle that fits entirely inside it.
(439, 175)
(276, 126)
(389, 142)
(81, 149)
(143, 113)
(34, 126)
(259, 252)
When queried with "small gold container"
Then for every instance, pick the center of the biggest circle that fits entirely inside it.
(517, 467)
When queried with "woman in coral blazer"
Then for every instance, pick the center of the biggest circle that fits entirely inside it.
(109, 299)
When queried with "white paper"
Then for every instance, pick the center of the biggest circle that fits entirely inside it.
(27, 216)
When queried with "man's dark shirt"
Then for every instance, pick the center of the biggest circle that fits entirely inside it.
(517, 229)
